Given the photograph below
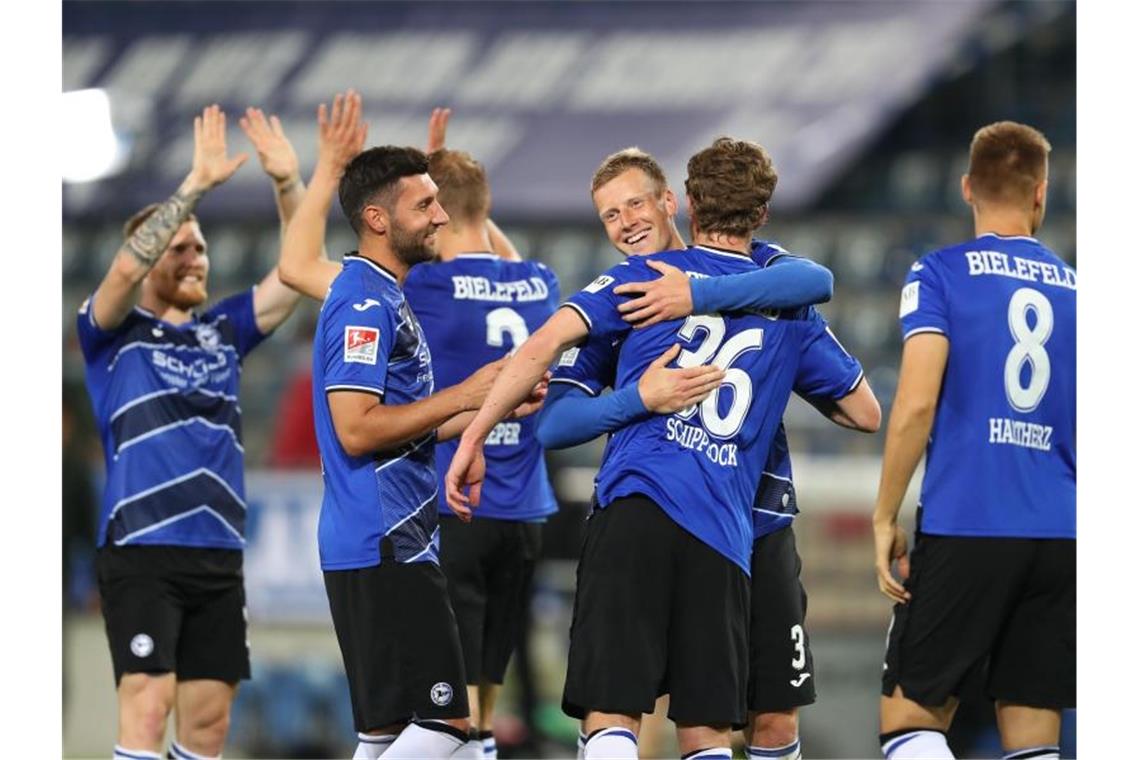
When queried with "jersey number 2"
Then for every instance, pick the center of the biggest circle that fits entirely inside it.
(1028, 346)
(506, 321)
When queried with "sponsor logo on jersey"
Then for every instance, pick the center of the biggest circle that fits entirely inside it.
(441, 694)
(599, 284)
(908, 304)
(368, 304)
(142, 645)
(361, 344)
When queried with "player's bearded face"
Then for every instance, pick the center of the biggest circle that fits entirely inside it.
(638, 217)
(414, 244)
(179, 277)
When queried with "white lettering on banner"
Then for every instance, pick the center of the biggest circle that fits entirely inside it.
(469, 288)
(695, 438)
(1028, 435)
(504, 434)
(1028, 270)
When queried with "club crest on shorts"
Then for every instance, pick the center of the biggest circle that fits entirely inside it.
(142, 645)
(441, 694)
(361, 344)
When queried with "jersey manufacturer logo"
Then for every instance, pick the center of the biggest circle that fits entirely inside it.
(908, 304)
(799, 681)
(368, 304)
(916, 266)
(361, 344)
(441, 694)
(156, 332)
(142, 645)
(599, 284)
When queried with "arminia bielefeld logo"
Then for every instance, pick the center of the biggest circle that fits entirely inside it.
(441, 694)
(142, 645)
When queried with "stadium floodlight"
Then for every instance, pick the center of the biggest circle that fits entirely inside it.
(92, 150)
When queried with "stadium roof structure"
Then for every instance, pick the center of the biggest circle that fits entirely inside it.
(541, 92)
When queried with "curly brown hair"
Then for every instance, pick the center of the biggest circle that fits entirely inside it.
(1007, 162)
(624, 160)
(463, 189)
(729, 184)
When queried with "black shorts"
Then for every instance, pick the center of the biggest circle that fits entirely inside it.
(174, 609)
(398, 639)
(656, 612)
(780, 674)
(488, 565)
(999, 609)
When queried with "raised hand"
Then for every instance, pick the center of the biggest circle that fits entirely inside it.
(274, 150)
(668, 297)
(341, 133)
(437, 129)
(212, 165)
(666, 390)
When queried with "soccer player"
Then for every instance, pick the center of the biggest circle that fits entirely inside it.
(377, 419)
(988, 388)
(475, 305)
(163, 381)
(672, 615)
(631, 194)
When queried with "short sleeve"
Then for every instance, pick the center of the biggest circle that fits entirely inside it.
(591, 366)
(922, 306)
(238, 310)
(825, 370)
(597, 303)
(355, 346)
(93, 339)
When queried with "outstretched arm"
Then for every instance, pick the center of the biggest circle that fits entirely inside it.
(858, 410)
(273, 301)
(304, 264)
(788, 282)
(501, 245)
(517, 380)
(912, 416)
(119, 291)
(571, 416)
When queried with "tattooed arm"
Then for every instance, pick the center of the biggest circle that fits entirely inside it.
(119, 291)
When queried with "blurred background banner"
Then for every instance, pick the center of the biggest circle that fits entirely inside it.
(867, 108)
(544, 90)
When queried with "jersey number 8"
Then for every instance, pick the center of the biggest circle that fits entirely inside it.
(1029, 346)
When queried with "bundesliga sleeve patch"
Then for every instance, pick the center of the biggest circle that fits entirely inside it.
(599, 284)
(569, 357)
(909, 302)
(361, 344)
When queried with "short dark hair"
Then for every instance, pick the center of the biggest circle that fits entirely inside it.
(630, 158)
(730, 183)
(1007, 162)
(142, 215)
(463, 189)
(374, 172)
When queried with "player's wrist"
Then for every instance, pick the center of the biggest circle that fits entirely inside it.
(287, 183)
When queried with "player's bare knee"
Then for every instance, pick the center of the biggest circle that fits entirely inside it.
(897, 712)
(773, 729)
(692, 738)
(145, 702)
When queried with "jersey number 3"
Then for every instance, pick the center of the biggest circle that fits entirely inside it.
(1028, 347)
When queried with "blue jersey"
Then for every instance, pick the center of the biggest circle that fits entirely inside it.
(826, 370)
(475, 309)
(368, 341)
(165, 399)
(1002, 459)
(702, 466)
